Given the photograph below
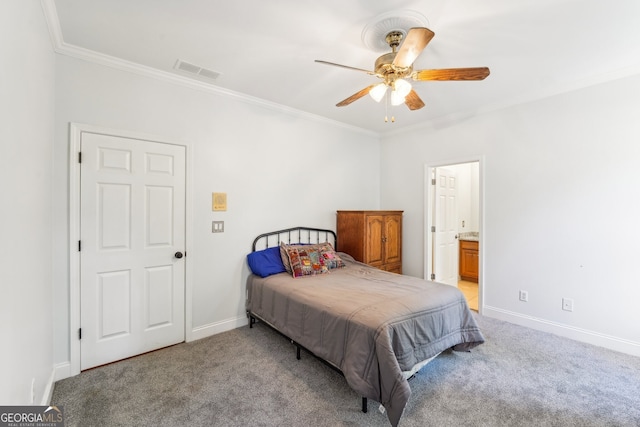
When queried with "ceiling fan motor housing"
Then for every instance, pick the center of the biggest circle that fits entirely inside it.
(385, 69)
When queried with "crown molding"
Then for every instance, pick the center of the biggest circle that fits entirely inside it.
(53, 23)
(63, 48)
(452, 119)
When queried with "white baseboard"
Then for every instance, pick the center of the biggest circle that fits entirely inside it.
(48, 389)
(217, 327)
(61, 371)
(567, 331)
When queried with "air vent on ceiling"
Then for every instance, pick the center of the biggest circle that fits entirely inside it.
(196, 70)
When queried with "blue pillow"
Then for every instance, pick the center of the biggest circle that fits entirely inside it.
(266, 262)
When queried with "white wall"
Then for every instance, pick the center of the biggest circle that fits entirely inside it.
(560, 208)
(26, 138)
(278, 169)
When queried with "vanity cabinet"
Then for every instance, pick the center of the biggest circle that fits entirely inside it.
(372, 237)
(469, 260)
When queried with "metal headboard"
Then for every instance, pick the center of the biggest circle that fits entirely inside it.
(296, 235)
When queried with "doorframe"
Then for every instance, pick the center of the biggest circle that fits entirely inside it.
(75, 139)
(429, 193)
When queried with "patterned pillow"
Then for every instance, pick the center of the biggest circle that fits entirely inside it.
(308, 260)
(285, 257)
(330, 256)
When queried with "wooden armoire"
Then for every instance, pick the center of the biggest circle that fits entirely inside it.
(372, 237)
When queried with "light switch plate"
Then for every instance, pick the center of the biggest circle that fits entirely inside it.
(217, 227)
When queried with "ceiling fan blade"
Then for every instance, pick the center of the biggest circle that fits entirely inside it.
(478, 73)
(413, 101)
(415, 42)
(354, 97)
(344, 66)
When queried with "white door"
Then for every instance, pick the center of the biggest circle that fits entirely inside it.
(446, 226)
(132, 227)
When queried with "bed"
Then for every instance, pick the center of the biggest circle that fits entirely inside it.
(377, 328)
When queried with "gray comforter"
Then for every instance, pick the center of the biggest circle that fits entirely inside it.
(370, 324)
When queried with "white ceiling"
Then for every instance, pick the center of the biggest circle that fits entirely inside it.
(266, 49)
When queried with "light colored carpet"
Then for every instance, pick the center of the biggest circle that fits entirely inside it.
(250, 377)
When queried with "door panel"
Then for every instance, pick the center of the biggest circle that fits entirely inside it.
(375, 226)
(159, 295)
(114, 303)
(114, 216)
(132, 201)
(393, 234)
(159, 220)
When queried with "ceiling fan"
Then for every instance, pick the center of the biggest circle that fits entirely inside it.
(396, 67)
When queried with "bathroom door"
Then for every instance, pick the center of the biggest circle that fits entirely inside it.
(446, 227)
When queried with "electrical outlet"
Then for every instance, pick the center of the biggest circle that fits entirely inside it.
(567, 304)
(524, 296)
(217, 227)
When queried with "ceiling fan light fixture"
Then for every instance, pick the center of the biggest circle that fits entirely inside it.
(401, 86)
(395, 68)
(396, 98)
(378, 91)
(401, 89)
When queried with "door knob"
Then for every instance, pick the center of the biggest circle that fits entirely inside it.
(178, 255)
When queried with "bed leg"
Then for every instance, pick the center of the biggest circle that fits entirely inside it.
(364, 405)
(297, 352)
(252, 320)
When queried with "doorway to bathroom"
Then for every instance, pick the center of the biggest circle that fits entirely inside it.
(453, 226)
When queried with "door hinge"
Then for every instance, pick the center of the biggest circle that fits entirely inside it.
(433, 276)
(433, 228)
(433, 181)
(79, 156)
(79, 245)
(80, 333)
